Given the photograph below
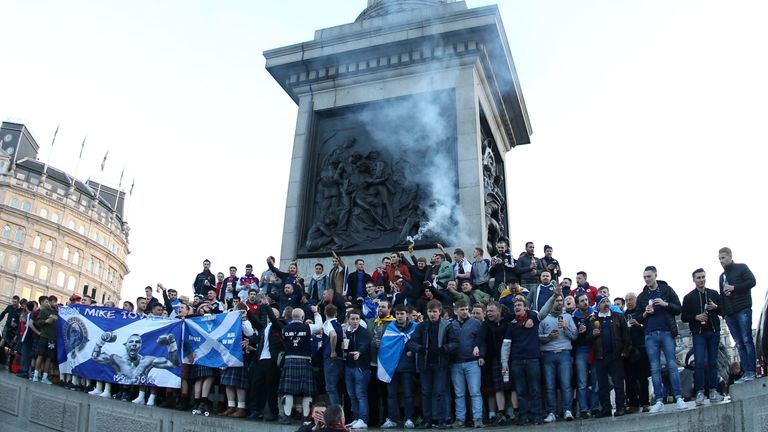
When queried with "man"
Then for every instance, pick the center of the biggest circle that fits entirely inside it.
(253, 303)
(611, 344)
(556, 333)
(377, 390)
(441, 272)
(461, 267)
(216, 305)
(205, 279)
(529, 268)
(606, 292)
(503, 270)
(317, 285)
(333, 354)
(495, 327)
(287, 298)
(12, 312)
(173, 296)
(337, 277)
(583, 286)
(332, 297)
(228, 287)
(357, 280)
(478, 312)
(45, 324)
(334, 419)
(700, 307)
(269, 282)
(468, 293)
(418, 270)
(586, 374)
(264, 374)
(397, 268)
(247, 282)
(522, 341)
(540, 293)
(569, 303)
(619, 302)
(219, 284)
(357, 373)
(636, 366)
(736, 283)
(465, 368)
(550, 264)
(289, 277)
(481, 272)
(296, 378)
(658, 317)
(395, 337)
(380, 276)
(433, 342)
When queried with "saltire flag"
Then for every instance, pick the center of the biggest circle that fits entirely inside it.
(116, 346)
(214, 340)
(370, 308)
(392, 345)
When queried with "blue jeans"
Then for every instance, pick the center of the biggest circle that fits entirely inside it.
(588, 399)
(357, 389)
(527, 376)
(740, 325)
(656, 343)
(705, 350)
(332, 370)
(406, 379)
(466, 375)
(26, 353)
(433, 389)
(557, 368)
(611, 367)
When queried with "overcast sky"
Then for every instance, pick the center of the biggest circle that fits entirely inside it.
(648, 119)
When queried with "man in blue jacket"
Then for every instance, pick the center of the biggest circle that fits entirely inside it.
(736, 283)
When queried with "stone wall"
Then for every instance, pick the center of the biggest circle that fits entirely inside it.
(27, 406)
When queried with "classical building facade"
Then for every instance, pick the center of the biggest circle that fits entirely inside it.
(58, 235)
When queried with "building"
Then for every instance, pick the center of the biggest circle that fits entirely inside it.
(56, 237)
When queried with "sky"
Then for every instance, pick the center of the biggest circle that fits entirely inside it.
(648, 143)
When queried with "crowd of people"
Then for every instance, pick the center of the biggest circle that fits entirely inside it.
(487, 342)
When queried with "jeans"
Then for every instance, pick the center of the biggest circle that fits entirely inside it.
(557, 365)
(26, 354)
(357, 388)
(740, 325)
(527, 376)
(705, 350)
(614, 367)
(466, 375)
(657, 342)
(393, 409)
(588, 399)
(332, 370)
(433, 389)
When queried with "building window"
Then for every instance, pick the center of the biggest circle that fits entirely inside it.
(14, 202)
(60, 279)
(71, 225)
(65, 253)
(31, 268)
(26, 292)
(26, 206)
(7, 232)
(56, 217)
(49, 246)
(2, 258)
(76, 258)
(90, 264)
(98, 269)
(19, 237)
(44, 213)
(36, 243)
(44, 272)
(71, 283)
(81, 230)
(13, 262)
(8, 287)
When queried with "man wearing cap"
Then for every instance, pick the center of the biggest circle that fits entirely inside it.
(609, 335)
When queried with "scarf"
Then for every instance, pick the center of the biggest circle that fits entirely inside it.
(386, 320)
(521, 319)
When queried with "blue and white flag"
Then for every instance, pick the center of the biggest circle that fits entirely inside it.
(370, 308)
(116, 346)
(214, 340)
(392, 345)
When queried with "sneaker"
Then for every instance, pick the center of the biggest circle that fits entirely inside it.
(94, 392)
(550, 418)
(568, 416)
(425, 424)
(139, 400)
(584, 415)
(389, 424)
(104, 394)
(699, 398)
(359, 424)
(680, 404)
(715, 397)
(458, 424)
(657, 407)
(409, 424)
(479, 424)
(46, 381)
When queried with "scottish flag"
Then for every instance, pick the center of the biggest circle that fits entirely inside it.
(392, 345)
(214, 340)
(116, 346)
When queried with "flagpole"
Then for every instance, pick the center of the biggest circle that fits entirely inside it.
(50, 152)
(119, 185)
(77, 167)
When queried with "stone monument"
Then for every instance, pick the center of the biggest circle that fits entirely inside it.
(405, 118)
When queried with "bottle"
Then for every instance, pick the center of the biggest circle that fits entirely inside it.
(597, 324)
(505, 375)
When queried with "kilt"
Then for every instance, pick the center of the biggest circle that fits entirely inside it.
(297, 378)
(497, 378)
(203, 372)
(234, 377)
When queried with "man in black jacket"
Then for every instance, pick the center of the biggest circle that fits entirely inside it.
(736, 283)
(700, 308)
(658, 317)
(204, 280)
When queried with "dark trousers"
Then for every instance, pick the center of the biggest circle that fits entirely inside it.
(263, 378)
(377, 399)
(527, 377)
(434, 389)
(614, 367)
(637, 370)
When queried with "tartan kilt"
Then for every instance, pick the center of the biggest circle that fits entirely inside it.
(297, 378)
(234, 377)
(203, 372)
(498, 383)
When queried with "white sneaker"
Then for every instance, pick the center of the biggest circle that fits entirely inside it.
(139, 400)
(657, 407)
(46, 381)
(151, 401)
(681, 405)
(568, 416)
(105, 394)
(699, 398)
(389, 424)
(94, 392)
(714, 396)
(409, 424)
(549, 418)
(359, 424)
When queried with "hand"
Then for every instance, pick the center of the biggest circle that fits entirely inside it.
(377, 342)
(728, 289)
(633, 322)
(582, 328)
(529, 323)
(553, 334)
(504, 370)
(207, 283)
(439, 246)
(410, 248)
(702, 317)
(596, 332)
(159, 285)
(711, 305)
(649, 309)
(551, 267)
(313, 309)
(244, 344)
(481, 362)
(334, 355)
(660, 302)
(333, 254)
(476, 352)
(355, 355)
